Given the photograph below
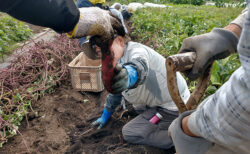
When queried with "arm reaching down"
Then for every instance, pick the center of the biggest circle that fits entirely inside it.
(60, 15)
(125, 77)
(112, 101)
(222, 118)
(64, 17)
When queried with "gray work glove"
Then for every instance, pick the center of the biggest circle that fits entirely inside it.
(125, 77)
(183, 143)
(120, 80)
(95, 21)
(217, 44)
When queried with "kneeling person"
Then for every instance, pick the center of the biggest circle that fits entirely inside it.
(141, 79)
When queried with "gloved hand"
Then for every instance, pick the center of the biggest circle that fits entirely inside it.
(95, 21)
(217, 44)
(125, 77)
(91, 51)
(183, 143)
(100, 122)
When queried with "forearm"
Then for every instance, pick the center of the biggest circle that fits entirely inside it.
(236, 29)
(237, 24)
(60, 15)
(185, 128)
(227, 108)
(141, 66)
(240, 19)
(112, 101)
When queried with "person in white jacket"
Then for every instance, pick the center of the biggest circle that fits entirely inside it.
(141, 80)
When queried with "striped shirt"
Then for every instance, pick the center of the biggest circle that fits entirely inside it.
(224, 117)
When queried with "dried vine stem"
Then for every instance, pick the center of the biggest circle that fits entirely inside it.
(31, 73)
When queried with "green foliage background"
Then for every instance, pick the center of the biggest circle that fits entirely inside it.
(11, 31)
(165, 29)
(162, 29)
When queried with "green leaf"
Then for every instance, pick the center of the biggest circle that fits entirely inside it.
(19, 97)
(211, 89)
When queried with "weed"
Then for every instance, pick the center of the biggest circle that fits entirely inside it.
(165, 29)
(11, 31)
(37, 71)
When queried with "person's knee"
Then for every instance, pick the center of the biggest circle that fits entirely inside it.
(131, 136)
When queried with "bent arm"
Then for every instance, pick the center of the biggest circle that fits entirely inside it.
(223, 118)
(60, 15)
(139, 61)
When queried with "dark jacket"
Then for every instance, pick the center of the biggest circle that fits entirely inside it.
(60, 15)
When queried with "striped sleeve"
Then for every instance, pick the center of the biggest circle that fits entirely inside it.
(244, 46)
(240, 19)
(224, 117)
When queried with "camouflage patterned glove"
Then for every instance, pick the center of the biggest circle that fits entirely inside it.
(95, 21)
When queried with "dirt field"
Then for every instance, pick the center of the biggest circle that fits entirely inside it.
(63, 125)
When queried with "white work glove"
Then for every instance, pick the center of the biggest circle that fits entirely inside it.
(183, 143)
(97, 22)
(217, 44)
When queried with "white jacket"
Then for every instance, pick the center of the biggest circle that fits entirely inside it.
(154, 91)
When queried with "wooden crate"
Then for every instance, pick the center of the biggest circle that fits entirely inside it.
(86, 74)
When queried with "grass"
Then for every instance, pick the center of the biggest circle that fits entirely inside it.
(162, 29)
(165, 29)
(11, 32)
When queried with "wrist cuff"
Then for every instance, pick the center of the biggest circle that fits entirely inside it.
(106, 114)
(229, 38)
(192, 124)
(132, 75)
(74, 30)
(141, 67)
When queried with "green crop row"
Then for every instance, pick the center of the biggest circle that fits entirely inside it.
(11, 31)
(165, 29)
(194, 2)
(137, 1)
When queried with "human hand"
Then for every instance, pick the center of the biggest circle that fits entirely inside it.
(217, 44)
(92, 51)
(125, 77)
(120, 81)
(95, 21)
(100, 122)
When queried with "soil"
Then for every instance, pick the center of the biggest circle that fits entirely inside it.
(63, 125)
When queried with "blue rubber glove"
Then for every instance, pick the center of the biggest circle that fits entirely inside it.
(125, 77)
(100, 122)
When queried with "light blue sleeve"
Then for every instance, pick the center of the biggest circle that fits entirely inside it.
(132, 75)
